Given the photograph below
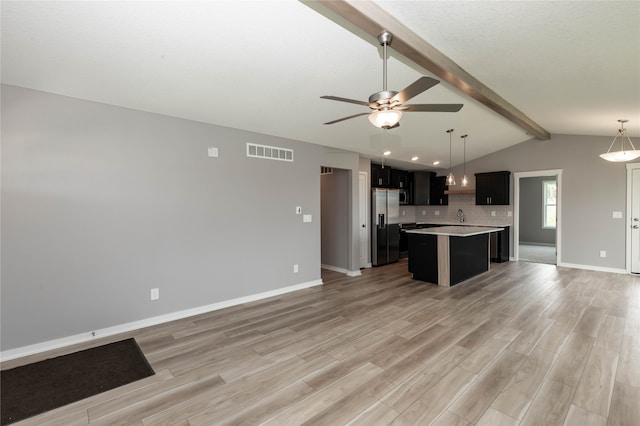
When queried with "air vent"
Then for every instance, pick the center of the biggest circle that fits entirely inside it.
(326, 170)
(269, 152)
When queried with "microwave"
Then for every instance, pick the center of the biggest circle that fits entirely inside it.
(403, 196)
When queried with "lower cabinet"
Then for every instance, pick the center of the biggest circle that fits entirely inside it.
(499, 246)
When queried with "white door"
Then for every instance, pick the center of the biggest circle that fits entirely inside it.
(363, 216)
(635, 221)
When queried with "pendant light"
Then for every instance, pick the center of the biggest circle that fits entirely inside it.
(622, 155)
(465, 181)
(451, 179)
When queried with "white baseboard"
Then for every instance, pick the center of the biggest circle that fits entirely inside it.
(148, 322)
(593, 268)
(588, 267)
(537, 244)
(342, 270)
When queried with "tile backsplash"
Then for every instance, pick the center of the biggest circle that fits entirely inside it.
(477, 215)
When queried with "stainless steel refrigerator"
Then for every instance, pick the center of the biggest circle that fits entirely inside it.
(385, 211)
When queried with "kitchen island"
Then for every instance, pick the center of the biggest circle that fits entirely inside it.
(448, 255)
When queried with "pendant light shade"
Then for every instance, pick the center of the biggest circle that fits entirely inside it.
(623, 154)
(451, 179)
(465, 182)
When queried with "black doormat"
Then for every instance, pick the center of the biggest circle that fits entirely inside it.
(42, 386)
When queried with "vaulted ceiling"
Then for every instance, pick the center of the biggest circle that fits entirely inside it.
(569, 67)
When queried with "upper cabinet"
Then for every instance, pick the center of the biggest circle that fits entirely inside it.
(492, 188)
(380, 176)
(399, 179)
(386, 177)
(438, 188)
(421, 187)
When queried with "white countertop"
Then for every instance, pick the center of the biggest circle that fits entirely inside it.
(457, 223)
(455, 231)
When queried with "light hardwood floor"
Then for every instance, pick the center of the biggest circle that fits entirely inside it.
(526, 343)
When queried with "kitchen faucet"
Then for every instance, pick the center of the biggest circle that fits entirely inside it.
(461, 215)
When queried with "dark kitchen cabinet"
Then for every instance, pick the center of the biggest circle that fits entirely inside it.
(421, 187)
(499, 246)
(380, 176)
(492, 188)
(399, 179)
(438, 187)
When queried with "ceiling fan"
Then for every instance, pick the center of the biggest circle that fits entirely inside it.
(387, 106)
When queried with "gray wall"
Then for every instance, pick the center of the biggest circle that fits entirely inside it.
(592, 189)
(100, 204)
(531, 230)
(334, 224)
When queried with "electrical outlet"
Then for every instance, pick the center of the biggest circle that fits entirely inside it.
(509, 213)
(404, 213)
(617, 215)
(493, 212)
(437, 212)
(295, 268)
(155, 293)
(603, 253)
(424, 212)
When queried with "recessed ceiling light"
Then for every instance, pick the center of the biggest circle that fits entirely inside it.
(415, 158)
(386, 153)
(435, 163)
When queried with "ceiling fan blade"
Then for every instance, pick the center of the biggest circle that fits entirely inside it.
(415, 88)
(346, 118)
(432, 107)
(353, 101)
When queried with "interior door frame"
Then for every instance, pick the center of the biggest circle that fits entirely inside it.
(630, 168)
(364, 175)
(516, 209)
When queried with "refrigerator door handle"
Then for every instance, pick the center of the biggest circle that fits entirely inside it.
(381, 220)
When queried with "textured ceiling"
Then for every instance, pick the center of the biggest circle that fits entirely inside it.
(573, 67)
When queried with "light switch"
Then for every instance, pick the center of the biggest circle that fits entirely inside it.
(617, 215)
(298, 210)
(213, 152)
(306, 218)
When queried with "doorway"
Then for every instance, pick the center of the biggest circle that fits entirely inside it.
(537, 214)
(334, 220)
(633, 215)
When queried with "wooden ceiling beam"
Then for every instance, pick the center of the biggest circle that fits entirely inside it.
(370, 18)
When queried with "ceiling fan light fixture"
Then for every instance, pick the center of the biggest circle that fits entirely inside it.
(385, 118)
(623, 154)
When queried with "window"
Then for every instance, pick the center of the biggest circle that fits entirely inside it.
(549, 191)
